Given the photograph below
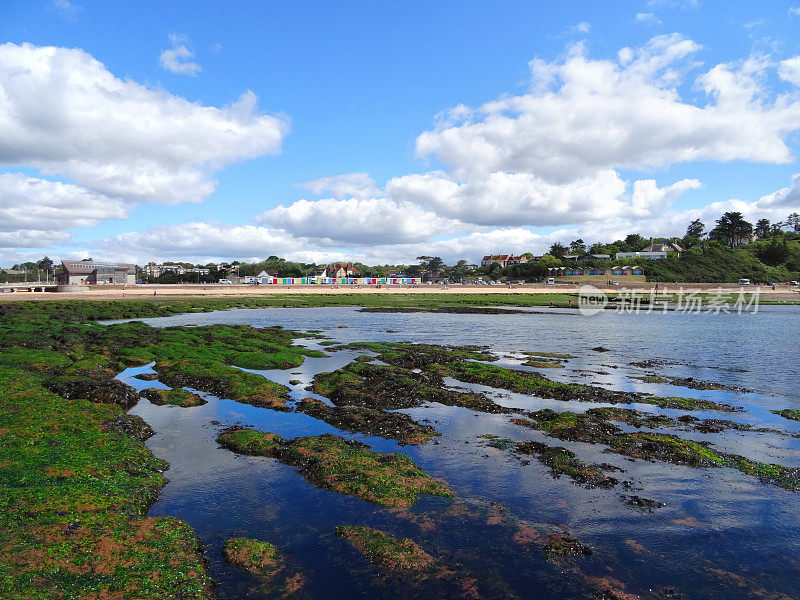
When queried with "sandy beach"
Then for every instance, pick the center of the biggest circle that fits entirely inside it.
(781, 293)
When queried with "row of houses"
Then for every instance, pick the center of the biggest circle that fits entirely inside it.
(617, 271)
(504, 260)
(336, 280)
(159, 270)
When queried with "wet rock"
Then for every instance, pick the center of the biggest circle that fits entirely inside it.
(146, 376)
(102, 390)
(175, 397)
(600, 349)
(643, 504)
(392, 554)
(132, 425)
(343, 466)
(394, 426)
(564, 462)
(562, 546)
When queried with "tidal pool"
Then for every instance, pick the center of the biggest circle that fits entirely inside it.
(720, 534)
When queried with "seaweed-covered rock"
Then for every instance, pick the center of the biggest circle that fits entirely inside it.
(103, 390)
(146, 376)
(370, 421)
(564, 462)
(253, 556)
(251, 441)
(788, 413)
(175, 397)
(132, 425)
(392, 554)
(562, 546)
(392, 387)
(345, 466)
(643, 504)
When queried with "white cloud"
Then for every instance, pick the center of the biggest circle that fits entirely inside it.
(583, 116)
(648, 18)
(789, 70)
(176, 59)
(358, 221)
(583, 27)
(117, 137)
(786, 199)
(199, 241)
(794, 10)
(37, 213)
(66, 9)
(117, 141)
(359, 185)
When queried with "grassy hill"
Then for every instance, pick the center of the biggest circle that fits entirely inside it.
(774, 259)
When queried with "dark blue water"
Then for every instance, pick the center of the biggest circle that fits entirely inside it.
(721, 533)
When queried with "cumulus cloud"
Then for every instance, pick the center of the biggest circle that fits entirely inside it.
(118, 142)
(36, 212)
(202, 242)
(358, 185)
(117, 137)
(199, 240)
(786, 199)
(582, 116)
(359, 221)
(508, 199)
(177, 58)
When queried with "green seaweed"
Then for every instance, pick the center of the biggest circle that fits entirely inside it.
(392, 554)
(343, 466)
(175, 397)
(788, 413)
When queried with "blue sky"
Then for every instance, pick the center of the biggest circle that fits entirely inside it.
(115, 139)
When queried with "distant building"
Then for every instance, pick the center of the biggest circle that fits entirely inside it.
(76, 272)
(654, 251)
(342, 269)
(587, 257)
(503, 259)
(663, 247)
(650, 255)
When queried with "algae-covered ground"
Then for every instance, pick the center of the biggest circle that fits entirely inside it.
(75, 486)
(76, 479)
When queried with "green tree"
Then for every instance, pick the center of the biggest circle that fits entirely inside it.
(577, 247)
(762, 228)
(45, 264)
(696, 229)
(558, 250)
(776, 252)
(793, 221)
(732, 229)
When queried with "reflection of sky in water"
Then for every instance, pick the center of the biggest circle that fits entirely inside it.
(713, 517)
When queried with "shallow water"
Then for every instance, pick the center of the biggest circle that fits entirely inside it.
(721, 533)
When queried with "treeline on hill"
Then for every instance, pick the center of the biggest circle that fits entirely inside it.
(733, 249)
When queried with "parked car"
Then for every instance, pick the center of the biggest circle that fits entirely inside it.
(744, 282)
(615, 282)
(793, 283)
(550, 281)
(226, 281)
